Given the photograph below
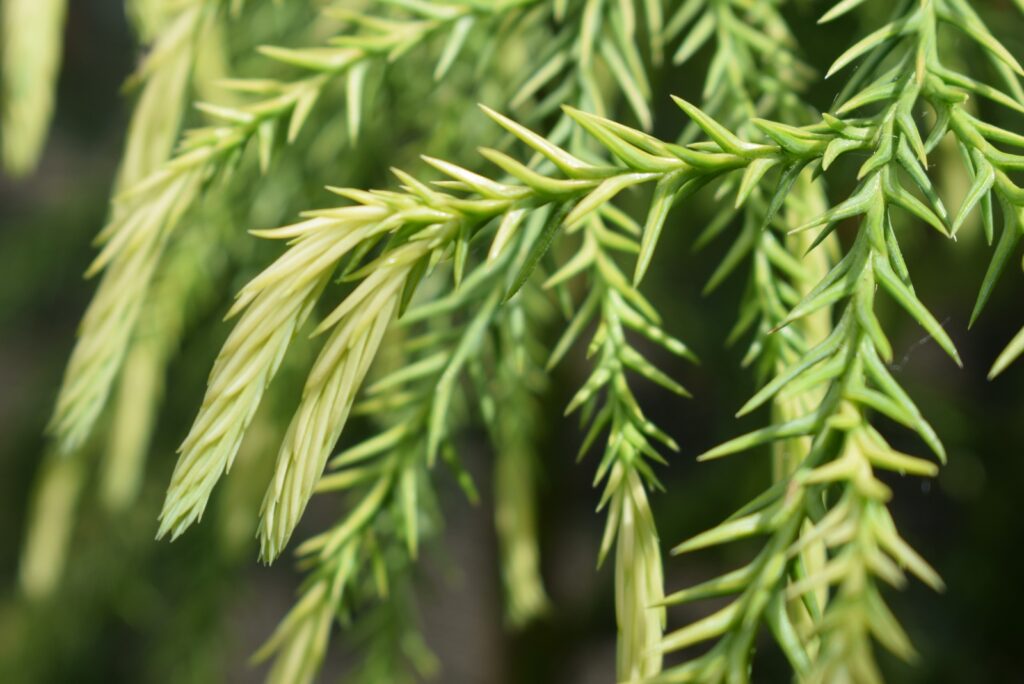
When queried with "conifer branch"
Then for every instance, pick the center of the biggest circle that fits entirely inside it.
(146, 215)
(164, 77)
(419, 226)
(624, 466)
(414, 280)
(754, 76)
(181, 288)
(388, 474)
(53, 511)
(850, 367)
(509, 390)
(278, 535)
(394, 648)
(594, 59)
(608, 41)
(33, 42)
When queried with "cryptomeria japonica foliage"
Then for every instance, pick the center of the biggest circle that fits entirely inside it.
(445, 299)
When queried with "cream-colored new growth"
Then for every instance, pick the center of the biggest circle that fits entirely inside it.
(276, 304)
(359, 325)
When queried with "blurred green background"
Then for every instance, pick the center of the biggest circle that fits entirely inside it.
(128, 609)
